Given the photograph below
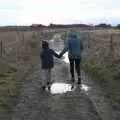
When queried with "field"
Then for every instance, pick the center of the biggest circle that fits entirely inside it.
(20, 51)
(101, 60)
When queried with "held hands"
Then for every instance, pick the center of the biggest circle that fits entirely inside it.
(60, 56)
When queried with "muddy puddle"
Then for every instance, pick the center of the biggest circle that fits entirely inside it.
(61, 88)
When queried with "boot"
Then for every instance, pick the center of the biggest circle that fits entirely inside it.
(79, 80)
(73, 80)
(49, 85)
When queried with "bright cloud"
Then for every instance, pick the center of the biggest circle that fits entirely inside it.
(26, 12)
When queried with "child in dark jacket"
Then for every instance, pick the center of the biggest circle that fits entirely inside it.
(47, 63)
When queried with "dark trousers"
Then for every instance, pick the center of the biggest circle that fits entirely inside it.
(75, 63)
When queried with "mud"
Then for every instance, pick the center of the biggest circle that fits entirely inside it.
(78, 104)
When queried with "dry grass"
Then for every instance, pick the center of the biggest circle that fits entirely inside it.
(20, 55)
(101, 60)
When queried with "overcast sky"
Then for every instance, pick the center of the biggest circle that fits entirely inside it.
(27, 12)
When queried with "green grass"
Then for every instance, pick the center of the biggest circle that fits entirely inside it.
(12, 72)
(107, 78)
(13, 69)
(103, 67)
(12, 82)
(7, 38)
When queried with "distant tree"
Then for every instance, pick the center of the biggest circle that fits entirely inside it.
(118, 26)
(109, 25)
(103, 25)
(51, 25)
(37, 25)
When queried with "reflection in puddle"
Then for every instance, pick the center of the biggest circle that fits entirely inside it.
(59, 88)
(85, 87)
(52, 40)
(65, 59)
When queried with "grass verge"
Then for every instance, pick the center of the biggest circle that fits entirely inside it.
(14, 69)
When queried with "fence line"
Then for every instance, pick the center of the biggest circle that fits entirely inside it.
(1, 48)
(110, 41)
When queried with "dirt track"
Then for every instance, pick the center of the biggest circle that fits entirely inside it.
(35, 104)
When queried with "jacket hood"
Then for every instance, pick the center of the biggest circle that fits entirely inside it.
(73, 34)
(45, 45)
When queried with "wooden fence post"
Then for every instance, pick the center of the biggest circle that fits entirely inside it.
(111, 43)
(23, 37)
(1, 48)
(88, 46)
(111, 49)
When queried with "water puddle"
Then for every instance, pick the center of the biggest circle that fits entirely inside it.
(65, 57)
(52, 40)
(85, 87)
(60, 88)
(55, 37)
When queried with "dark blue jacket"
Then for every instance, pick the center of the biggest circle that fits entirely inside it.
(47, 54)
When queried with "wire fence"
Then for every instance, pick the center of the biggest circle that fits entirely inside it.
(18, 42)
(16, 47)
(108, 43)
